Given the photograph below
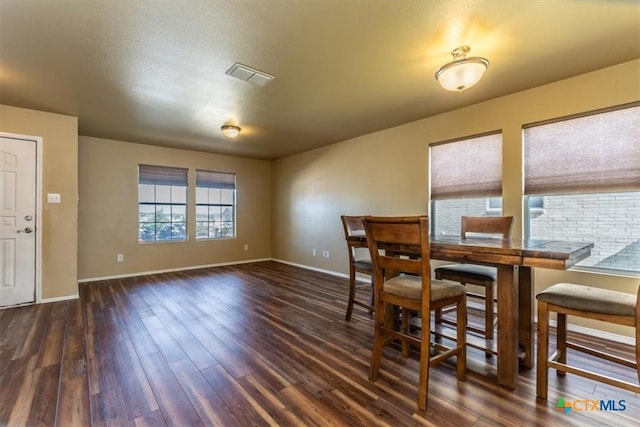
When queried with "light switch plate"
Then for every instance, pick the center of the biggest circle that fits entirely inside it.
(53, 197)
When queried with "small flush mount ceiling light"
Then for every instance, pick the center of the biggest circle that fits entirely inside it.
(461, 73)
(230, 131)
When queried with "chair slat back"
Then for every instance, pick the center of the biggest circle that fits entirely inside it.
(352, 225)
(500, 225)
(398, 245)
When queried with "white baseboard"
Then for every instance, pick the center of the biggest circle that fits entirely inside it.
(169, 270)
(609, 336)
(307, 267)
(56, 299)
(43, 301)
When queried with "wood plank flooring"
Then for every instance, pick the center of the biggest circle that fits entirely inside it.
(253, 344)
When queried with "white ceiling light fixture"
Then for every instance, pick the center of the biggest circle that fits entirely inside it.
(461, 73)
(230, 131)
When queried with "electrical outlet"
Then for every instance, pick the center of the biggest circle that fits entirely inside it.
(246, 247)
(120, 257)
(53, 198)
(313, 251)
(325, 253)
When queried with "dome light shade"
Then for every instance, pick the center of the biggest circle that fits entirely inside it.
(461, 73)
(230, 131)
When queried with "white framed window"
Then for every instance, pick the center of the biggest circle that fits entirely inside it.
(466, 179)
(215, 205)
(586, 170)
(162, 203)
(494, 204)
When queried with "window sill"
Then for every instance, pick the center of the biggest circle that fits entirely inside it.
(152, 242)
(607, 272)
(209, 239)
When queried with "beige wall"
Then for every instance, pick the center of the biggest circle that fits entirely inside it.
(387, 172)
(297, 199)
(59, 175)
(108, 210)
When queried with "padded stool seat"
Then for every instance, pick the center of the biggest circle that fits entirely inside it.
(476, 272)
(586, 298)
(411, 287)
(363, 264)
(569, 299)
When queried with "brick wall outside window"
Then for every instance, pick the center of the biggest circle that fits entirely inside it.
(611, 221)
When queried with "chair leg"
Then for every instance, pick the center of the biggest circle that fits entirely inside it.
(638, 341)
(461, 339)
(542, 374)
(638, 346)
(488, 316)
(352, 293)
(437, 320)
(378, 342)
(438, 312)
(423, 379)
(372, 302)
(406, 347)
(562, 341)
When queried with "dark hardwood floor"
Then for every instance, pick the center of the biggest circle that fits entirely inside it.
(253, 344)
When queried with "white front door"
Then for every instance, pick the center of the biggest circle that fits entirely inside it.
(17, 221)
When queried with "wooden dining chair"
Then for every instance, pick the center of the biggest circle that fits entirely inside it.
(359, 262)
(405, 282)
(478, 275)
(591, 303)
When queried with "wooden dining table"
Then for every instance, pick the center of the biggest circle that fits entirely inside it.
(514, 260)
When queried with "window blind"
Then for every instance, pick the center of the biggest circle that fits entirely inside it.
(467, 168)
(162, 175)
(211, 179)
(589, 154)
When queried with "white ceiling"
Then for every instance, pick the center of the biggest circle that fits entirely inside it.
(153, 72)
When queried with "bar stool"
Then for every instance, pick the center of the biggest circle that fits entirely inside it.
(478, 275)
(358, 263)
(405, 282)
(591, 303)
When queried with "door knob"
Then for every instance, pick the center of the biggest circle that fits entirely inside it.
(26, 230)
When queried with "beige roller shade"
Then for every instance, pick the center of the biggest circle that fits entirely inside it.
(595, 153)
(469, 167)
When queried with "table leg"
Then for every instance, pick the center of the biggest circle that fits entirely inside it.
(525, 305)
(507, 327)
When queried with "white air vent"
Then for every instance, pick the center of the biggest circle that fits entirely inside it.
(248, 74)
